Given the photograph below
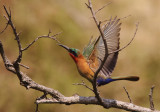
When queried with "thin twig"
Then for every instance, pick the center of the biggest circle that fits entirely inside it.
(37, 108)
(125, 17)
(23, 65)
(6, 61)
(102, 7)
(119, 18)
(128, 42)
(151, 98)
(18, 60)
(83, 84)
(128, 95)
(43, 36)
(4, 28)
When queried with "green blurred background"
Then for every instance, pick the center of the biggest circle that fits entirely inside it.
(51, 65)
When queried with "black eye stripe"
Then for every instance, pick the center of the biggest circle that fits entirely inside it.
(73, 52)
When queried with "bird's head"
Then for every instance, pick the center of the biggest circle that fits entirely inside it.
(74, 53)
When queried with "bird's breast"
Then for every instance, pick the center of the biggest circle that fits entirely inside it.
(84, 69)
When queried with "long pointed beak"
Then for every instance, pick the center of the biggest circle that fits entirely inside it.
(67, 48)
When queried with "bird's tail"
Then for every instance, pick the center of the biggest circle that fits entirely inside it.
(129, 78)
(101, 82)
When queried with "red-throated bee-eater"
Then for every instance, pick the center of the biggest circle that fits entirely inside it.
(88, 61)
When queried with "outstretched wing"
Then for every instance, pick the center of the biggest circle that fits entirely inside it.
(95, 51)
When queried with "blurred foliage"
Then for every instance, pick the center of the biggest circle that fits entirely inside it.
(51, 66)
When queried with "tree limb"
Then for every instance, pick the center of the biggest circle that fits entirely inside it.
(110, 103)
(98, 24)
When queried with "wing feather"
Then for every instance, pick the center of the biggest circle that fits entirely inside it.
(97, 51)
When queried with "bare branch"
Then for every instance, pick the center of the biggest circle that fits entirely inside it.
(98, 24)
(119, 18)
(151, 98)
(61, 99)
(43, 96)
(4, 28)
(125, 17)
(37, 108)
(128, 95)
(128, 42)
(19, 58)
(6, 61)
(8, 18)
(83, 84)
(43, 36)
(23, 65)
(102, 7)
(93, 101)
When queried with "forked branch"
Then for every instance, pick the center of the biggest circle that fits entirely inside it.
(83, 84)
(43, 36)
(9, 19)
(98, 24)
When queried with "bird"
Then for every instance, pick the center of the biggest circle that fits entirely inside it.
(89, 60)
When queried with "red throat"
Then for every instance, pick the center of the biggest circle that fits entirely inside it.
(73, 57)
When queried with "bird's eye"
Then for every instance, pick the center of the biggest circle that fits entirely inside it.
(74, 53)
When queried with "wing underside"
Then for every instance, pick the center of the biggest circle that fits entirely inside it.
(95, 51)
